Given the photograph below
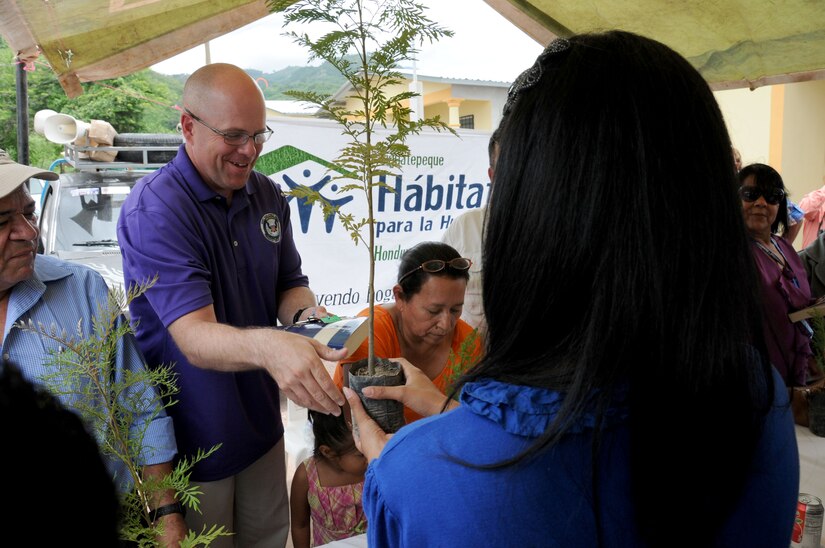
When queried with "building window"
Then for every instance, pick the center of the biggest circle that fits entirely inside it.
(467, 122)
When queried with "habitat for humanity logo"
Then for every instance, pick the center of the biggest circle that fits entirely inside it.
(296, 168)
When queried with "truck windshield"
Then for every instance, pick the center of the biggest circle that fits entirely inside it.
(87, 217)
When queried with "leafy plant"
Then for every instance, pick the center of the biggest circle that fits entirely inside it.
(457, 363)
(108, 402)
(367, 42)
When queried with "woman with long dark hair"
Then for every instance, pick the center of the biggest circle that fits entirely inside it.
(623, 399)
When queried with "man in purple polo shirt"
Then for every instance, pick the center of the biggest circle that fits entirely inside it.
(218, 237)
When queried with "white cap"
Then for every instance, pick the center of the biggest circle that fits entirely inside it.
(12, 174)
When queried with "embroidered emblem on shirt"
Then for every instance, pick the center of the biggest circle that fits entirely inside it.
(271, 227)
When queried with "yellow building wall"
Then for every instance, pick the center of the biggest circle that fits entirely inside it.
(803, 136)
(480, 110)
(439, 109)
(435, 96)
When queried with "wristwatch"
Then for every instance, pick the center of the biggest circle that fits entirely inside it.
(165, 510)
(297, 315)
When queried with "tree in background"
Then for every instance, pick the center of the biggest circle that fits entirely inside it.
(139, 103)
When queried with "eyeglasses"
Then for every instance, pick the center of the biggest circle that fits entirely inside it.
(752, 193)
(237, 139)
(437, 265)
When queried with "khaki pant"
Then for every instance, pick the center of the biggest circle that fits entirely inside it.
(252, 504)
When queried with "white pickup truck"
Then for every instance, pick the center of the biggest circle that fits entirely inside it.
(79, 211)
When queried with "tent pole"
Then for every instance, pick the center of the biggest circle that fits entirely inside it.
(22, 85)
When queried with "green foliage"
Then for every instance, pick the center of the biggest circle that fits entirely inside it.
(138, 103)
(468, 355)
(323, 79)
(367, 42)
(109, 401)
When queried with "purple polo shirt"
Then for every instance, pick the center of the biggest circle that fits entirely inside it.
(238, 259)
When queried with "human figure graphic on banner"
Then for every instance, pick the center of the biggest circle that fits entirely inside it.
(305, 208)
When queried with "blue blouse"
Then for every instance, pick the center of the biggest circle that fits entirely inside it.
(420, 492)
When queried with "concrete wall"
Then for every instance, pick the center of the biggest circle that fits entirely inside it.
(803, 136)
(747, 115)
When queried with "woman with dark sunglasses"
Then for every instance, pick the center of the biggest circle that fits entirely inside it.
(784, 283)
(424, 324)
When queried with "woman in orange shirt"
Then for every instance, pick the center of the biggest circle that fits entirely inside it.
(423, 325)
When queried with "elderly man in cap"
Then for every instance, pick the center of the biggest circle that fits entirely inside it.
(53, 292)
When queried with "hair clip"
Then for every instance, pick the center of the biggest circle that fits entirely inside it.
(531, 76)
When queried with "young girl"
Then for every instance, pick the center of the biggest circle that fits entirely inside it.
(326, 487)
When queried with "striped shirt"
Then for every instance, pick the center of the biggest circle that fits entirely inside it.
(66, 296)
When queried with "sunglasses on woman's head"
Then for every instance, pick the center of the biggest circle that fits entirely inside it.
(752, 193)
(437, 265)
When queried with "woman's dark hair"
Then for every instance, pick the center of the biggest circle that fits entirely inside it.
(331, 431)
(616, 256)
(764, 176)
(418, 255)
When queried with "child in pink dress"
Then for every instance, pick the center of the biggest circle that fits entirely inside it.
(326, 488)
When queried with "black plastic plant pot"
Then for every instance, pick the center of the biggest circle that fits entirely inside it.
(389, 414)
(816, 412)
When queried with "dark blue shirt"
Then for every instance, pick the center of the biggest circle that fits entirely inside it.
(238, 258)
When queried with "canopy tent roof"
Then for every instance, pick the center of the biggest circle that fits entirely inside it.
(733, 43)
(87, 40)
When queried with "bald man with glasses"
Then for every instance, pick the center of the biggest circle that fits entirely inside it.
(218, 237)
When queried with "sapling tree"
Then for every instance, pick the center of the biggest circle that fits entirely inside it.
(110, 401)
(366, 41)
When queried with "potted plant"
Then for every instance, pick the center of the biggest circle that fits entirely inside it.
(367, 41)
(84, 369)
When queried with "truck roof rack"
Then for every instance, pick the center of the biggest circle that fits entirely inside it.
(147, 156)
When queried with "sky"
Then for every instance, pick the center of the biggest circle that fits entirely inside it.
(486, 46)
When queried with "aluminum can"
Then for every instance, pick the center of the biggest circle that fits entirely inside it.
(807, 527)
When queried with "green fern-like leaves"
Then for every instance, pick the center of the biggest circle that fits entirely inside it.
(366, 43)
(108, 400)
(458, 363)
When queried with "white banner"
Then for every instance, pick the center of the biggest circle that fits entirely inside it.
(444, 177)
